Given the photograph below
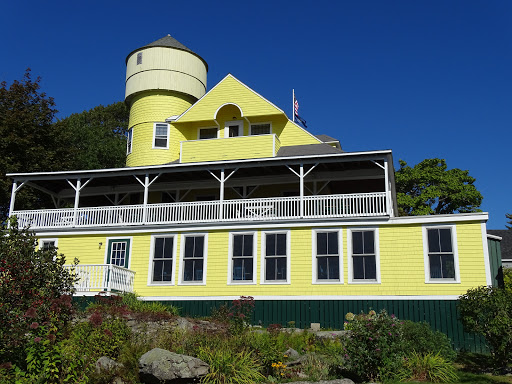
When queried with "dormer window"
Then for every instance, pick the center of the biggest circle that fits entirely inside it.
(161, 136)
(261, 129)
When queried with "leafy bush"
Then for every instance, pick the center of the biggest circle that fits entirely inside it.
(240, 314)
(374, 348)
(227, 366)
(428, 367)
(34, 288)
(419, 337)
(151, 307)
(488, 311)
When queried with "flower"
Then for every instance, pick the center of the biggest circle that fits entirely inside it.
(372, 313)
(37, 339)
(34, 325)
(31, 312)
(349, 316)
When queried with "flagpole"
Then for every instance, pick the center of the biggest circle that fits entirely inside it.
(293, 105)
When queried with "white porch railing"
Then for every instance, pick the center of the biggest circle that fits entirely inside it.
(102, 277)
(272, 208)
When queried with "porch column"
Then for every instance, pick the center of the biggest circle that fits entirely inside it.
(15, 189)
(146, 196)
(222, 179)
(77, 199)
(389, 208)
(301, 176)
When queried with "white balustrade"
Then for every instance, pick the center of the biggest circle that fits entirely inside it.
(272, 208)
(102, 277)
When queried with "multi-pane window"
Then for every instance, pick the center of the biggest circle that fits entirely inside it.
(193, 259)
(440, 253)
(161, 135)
(208, 133)
(327, 256)
(118, 252)
(275, 257)
(129, 140)
(242, 260)
(260, 129)
(364, 264)
(48, 243)
(139, 58)
(163, 259)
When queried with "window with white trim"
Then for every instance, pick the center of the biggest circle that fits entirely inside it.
(162, 259)
(363, 256)
(208, 133)
(242, 263)
(260, 129)
(161, 135)
(47, 243)
(193, 263)
(275, 254)
(233, 129)
(327, 256)
(441, 260)
(129, 140)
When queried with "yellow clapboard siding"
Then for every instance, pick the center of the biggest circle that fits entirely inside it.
(401, 264)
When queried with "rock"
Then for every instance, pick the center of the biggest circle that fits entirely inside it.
(315, 327)
(105, 363)
(330, 334)
(292, 353)
(162, 366)
(184, 324)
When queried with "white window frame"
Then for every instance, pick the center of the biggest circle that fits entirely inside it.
(254, 259)
(240, 125)
(263, 257)
(315, 279)
(181, 280)
(261, 123)
(129, 141)
(351, 279)
(426, 259)
(42, 241)
(155, 136)
(199, 133)
(119, 238)
(152, 255)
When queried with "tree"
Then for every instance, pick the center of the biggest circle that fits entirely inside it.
(96, 138)
(28, 141)
(430, 188)
(35, 290)
(509, 217)
(488, 311)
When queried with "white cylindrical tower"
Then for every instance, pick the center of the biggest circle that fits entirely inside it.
(163, 79)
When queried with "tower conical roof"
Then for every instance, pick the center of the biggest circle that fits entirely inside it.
(169, 42)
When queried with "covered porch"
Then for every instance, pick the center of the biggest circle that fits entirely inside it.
(344, 185)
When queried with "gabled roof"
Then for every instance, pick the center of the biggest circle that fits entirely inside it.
(168, 42)
(229, 90)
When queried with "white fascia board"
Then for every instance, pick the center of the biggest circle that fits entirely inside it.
(494, 237)
(297, 298)
(148, 168)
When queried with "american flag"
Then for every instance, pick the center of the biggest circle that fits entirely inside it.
(296, 106)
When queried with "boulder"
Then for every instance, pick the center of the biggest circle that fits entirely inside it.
(105, 363)
(162, 366)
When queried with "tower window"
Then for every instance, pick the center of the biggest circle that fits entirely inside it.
(129, 140)
(139, 58)
(161, 136)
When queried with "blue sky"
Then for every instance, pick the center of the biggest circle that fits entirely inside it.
(423, 78)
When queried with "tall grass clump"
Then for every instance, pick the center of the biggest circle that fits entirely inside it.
(428, 367)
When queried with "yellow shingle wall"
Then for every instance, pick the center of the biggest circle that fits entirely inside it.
(154, 107)
(232, 148)
(290, 134)
(401, 264)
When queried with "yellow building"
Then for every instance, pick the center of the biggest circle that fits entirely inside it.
(223, 195)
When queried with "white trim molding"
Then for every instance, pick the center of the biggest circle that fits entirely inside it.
(302, 297)
(160, 136)
(314, 256)
(231, 123)
(350, 256)
(152, 255)
(426, 260)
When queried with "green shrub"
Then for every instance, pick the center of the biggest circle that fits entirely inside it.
(133, 303)
(228, 367)
(488, 311)
(428, 367)
(373, 350)
(419, 337)
(266, 349)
